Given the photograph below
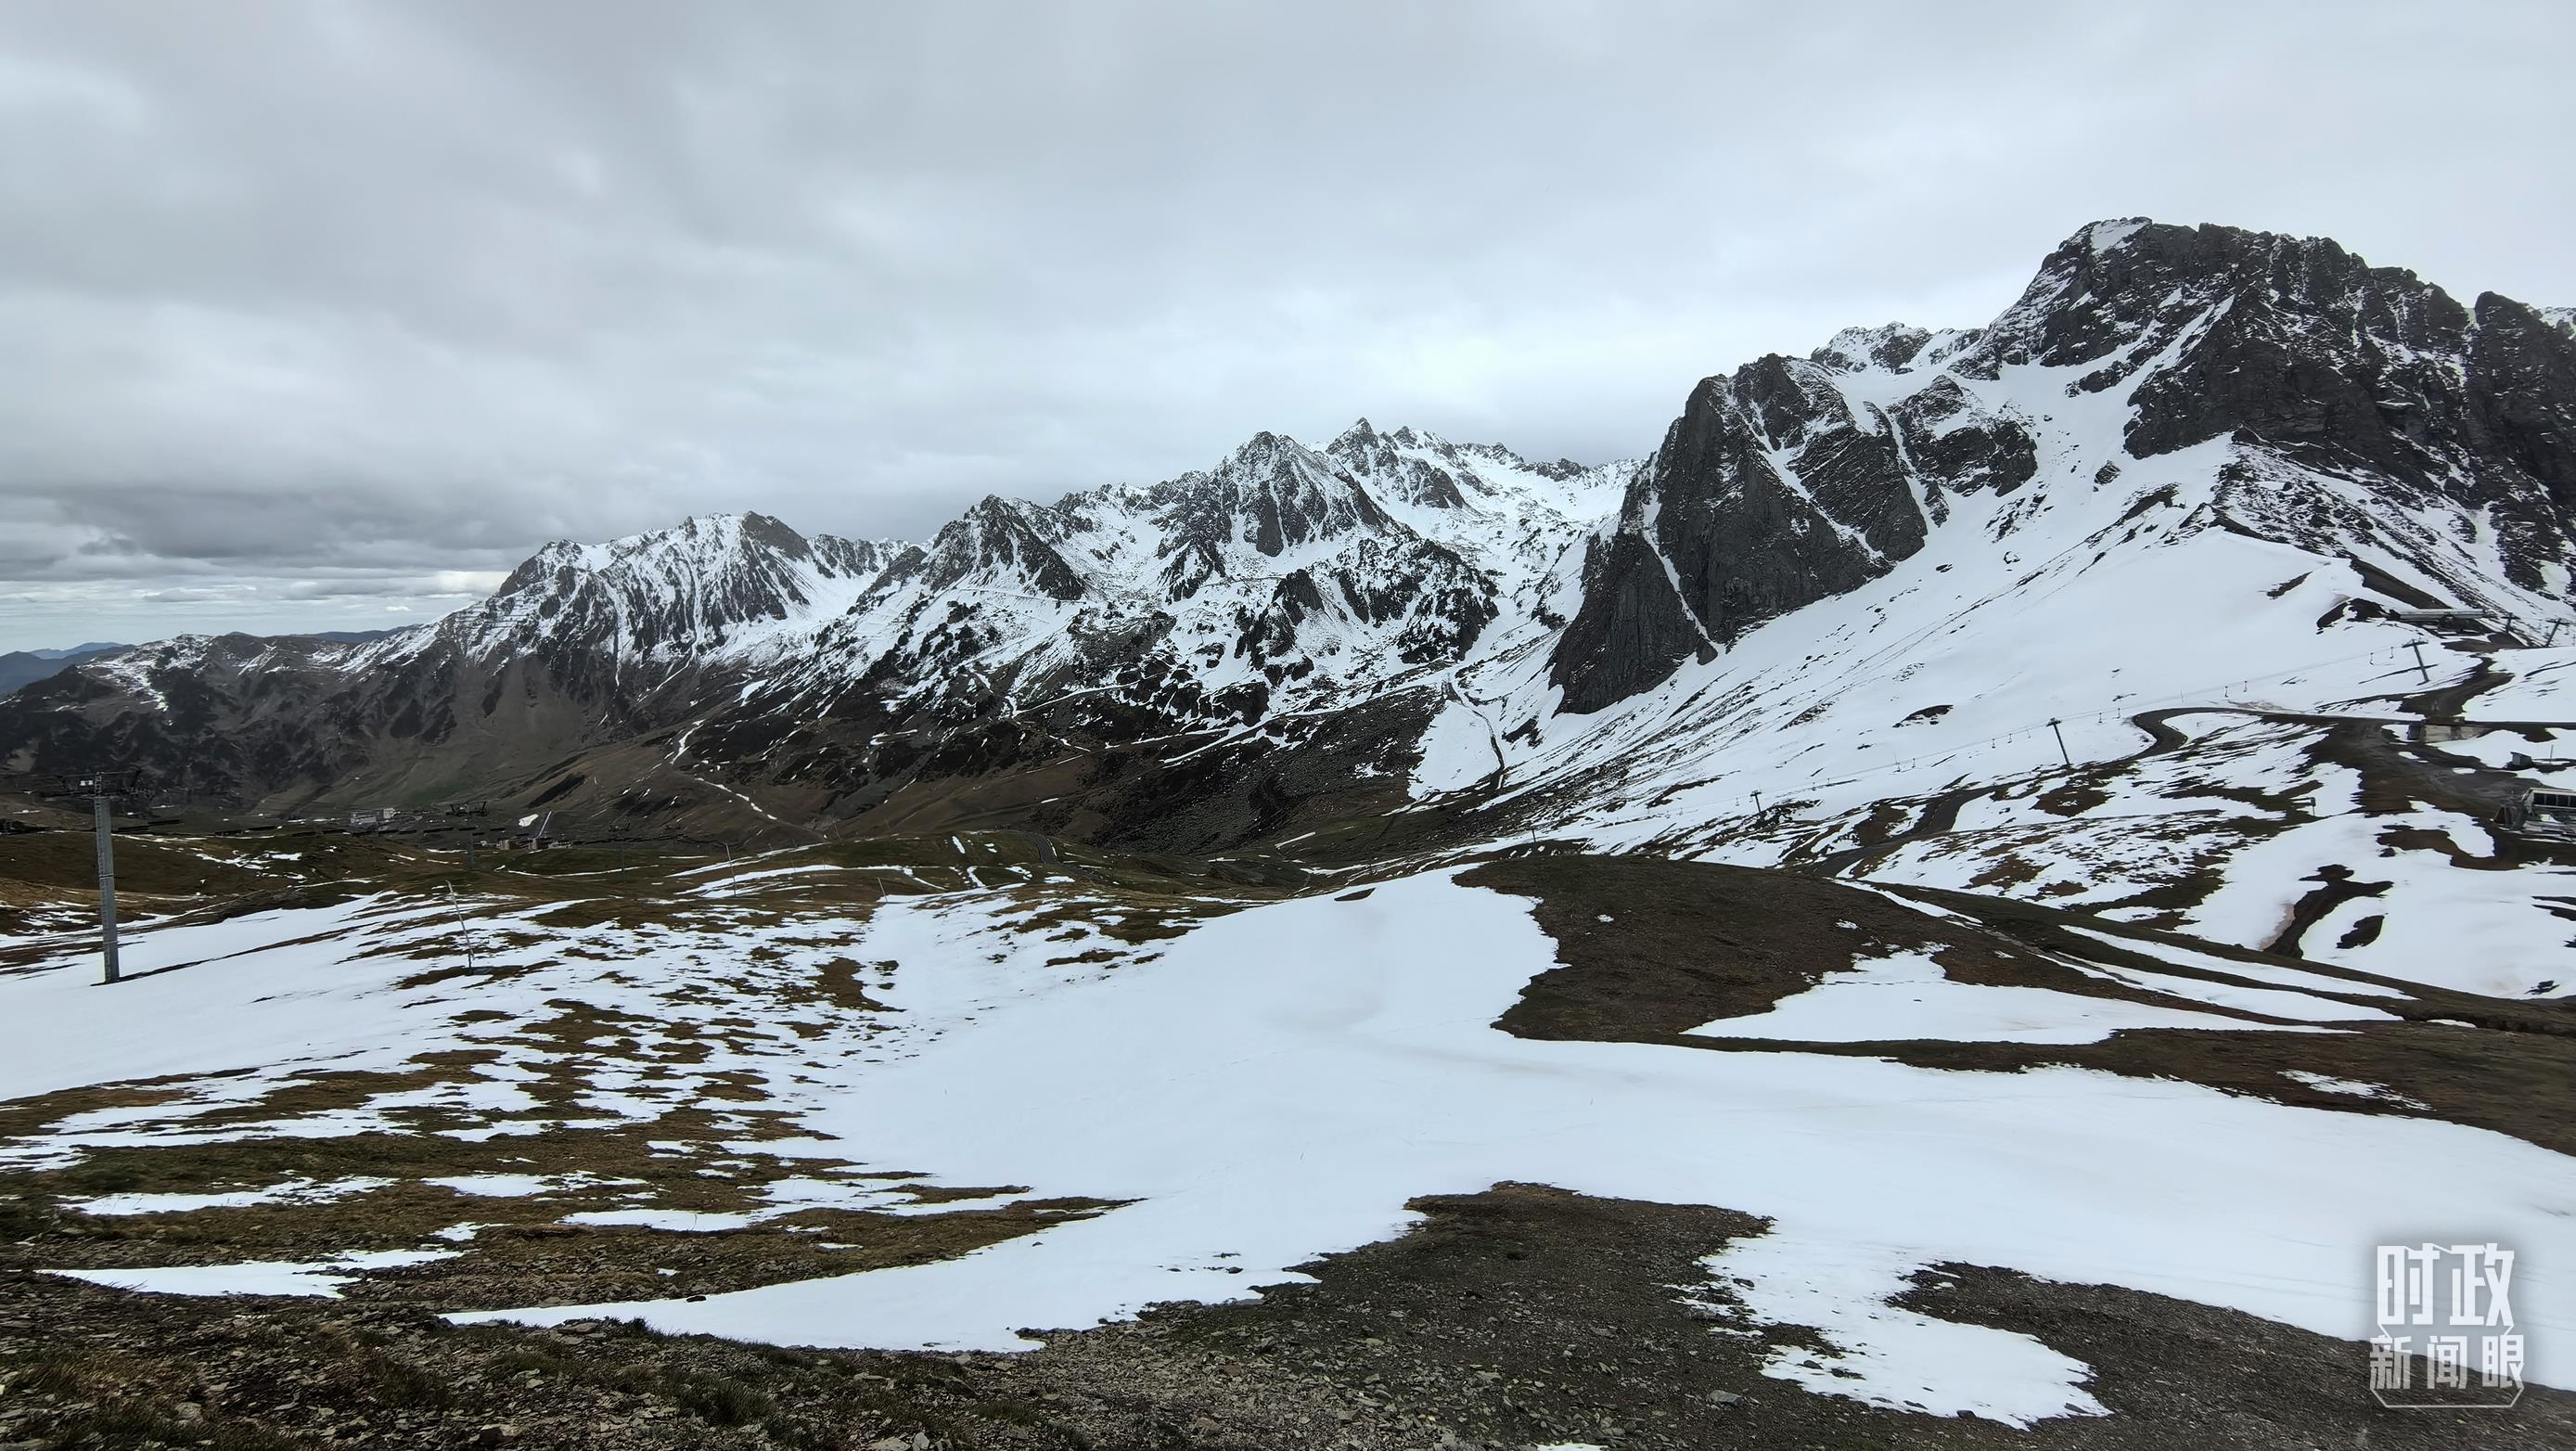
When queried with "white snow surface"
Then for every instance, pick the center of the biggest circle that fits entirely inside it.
(685, 1221)
(61, 1030)
(2351, 1087)
(1275, 1085)
(1886, 1355)
(320, 1278)
(2543, 688)
(293, 1191)
(508, 1186)
(2497, 932)
(2498, 750)
(1905, 996)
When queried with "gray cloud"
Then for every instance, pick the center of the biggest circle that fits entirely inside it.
(306, 302)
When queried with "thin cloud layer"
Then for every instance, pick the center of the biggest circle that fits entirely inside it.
(322, 315)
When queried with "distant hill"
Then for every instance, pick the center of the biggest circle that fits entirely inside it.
(91, 647)
(25, 667)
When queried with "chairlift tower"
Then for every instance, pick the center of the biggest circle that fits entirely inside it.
(467, 811)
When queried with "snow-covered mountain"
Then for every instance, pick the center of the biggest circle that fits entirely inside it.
(1287, 582)
(1287, 578)
(2302, 396)
(2113, 603)
(1850, 596)
(582, 645)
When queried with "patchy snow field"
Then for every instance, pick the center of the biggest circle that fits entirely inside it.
(1272, 1086)
(1276, 1085)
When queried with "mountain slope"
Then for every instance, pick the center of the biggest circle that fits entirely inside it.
(2361, 413)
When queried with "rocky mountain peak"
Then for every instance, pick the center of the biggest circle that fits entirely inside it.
(665, 594)
(1394, 464)
(1360, 435)
(2116, 293)
(1892, 346)
(1415, 466)
(1004, 543)
(1272, 495)
(1793, 480)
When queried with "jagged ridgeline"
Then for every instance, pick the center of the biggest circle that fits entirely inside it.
(2356, 412)
(1286, 579)
(1303, 631)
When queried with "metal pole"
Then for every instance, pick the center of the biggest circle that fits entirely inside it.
(2421, 668)
(106, 884)
(2061, 743)
(469, 848)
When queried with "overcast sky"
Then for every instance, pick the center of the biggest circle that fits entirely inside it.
(321, 315)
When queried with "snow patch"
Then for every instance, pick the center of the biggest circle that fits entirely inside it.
(1885, 1355)
(322, 1279)
(1906, 996)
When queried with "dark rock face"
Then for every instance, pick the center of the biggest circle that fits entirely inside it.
(2522, 413)
(1004, 540)
(1767, 496)
(2296, 346)
(1954, 446)
(1632, 627)
(2294, 341)
(2522, 390)
(1746, 542)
